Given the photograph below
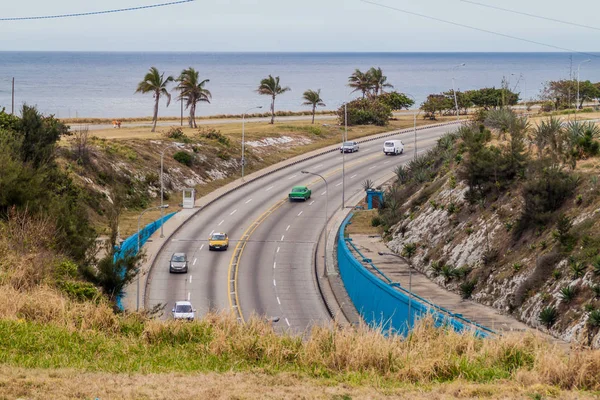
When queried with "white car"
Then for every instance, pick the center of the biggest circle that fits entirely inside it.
(349, 147)
(393, 147)
(184, 310)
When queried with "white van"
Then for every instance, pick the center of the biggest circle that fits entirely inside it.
(393, 147)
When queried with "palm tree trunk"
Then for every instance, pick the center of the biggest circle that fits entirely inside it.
(273, 110)
(194, 115)
(155, 117)
(314, 107)
(191, 118)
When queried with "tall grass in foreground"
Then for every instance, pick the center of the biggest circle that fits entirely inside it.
(39, 328)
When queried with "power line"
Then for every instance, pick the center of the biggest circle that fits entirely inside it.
(531, 15)
(479, 29)
(96, 12)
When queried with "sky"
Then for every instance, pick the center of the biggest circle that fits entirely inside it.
(298, 26)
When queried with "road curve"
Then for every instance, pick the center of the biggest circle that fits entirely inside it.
(275, 270)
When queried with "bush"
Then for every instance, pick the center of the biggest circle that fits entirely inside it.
(547, 106)
(183, 157)
(213, 134)
(376, 221)
(177, 134)
(577, 268)
(596, 290)
(365, 112)
(81, 291)
(568, 293)
(466, 288)
(548, 316)
(556, 274)
(594, 319)
(395, 100)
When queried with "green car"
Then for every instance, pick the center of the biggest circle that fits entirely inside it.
(299, 192)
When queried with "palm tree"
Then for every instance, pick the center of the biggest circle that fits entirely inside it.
(155, 83)
(361, 82)
(313, 99)
(270, 87)
(378, 80)
(192, 91)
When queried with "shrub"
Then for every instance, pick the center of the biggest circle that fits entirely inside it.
(80, 291)
(367, 184)
(594, 319)
(556, 274)
(436, 267)
(568, 293)
(409, 250)
(466, 288)
(451, 209)
(223, 155)
(517, 266)
(577, 268)
(579, 199)
(66, 270)
(596, 290)
(395, 100)
(183, 157)
(563, 228)
(152, 179)
(596, 265)
(376, 221)
(365, 112)
(547, 106)
(447, 271)
(548, 316)
(175, 133)
(213, 134)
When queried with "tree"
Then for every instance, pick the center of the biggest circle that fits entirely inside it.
(365, 112)
(395, 100)
(313, 98)
(378, 80)
(436, 103)
(361, 82)
(463, 100)
(155, 83)
(270, 87)
(192, 91)
(492, 98)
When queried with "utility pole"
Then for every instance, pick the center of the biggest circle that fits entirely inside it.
(12, 111)
(344, 156)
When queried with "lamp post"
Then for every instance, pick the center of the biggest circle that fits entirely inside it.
(577, 105)
(326, 218)
(244, 139)
(454, 91)
(409, 284)
(162, 155)
(415, 114)
(162, 207)
(344, 139)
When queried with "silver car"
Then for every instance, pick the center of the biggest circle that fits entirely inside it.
(184, 310)
(178, 263)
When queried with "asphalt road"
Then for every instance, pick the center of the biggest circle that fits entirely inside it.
(276, 273)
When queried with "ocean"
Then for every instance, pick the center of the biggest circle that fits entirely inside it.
(98, 84)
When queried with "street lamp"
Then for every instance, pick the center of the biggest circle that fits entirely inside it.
(243, 139)
(162, 207)
(344, 139)
(162, 155)
(454, 91)
(577, 105)
(326, 217)
(415, 114)
(409, 284)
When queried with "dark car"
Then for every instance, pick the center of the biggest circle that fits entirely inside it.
(178, 263)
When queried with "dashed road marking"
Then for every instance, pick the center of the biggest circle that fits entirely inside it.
(278, 249)
(249, 200)
(353, 176)
(323, 194)
(274, 264)
(311, 203)
(374, 166)
(300, 213)
(387, 162)
(201, 247)
(287, 322)
(317, 166)
(233, 212)
(194, 263)
(221, 223)
(339, 184)
(190, 279)
(189, 296)
(269, 188)
(288, 228)
(274, 283)
(278, 301)
(211, 232)
(292, 177)
(282, 236)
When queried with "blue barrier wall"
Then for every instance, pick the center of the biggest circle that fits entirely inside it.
(386, 305)
(130, 244)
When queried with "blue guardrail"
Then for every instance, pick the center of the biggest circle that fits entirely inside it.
(383, 303)
(129, 245)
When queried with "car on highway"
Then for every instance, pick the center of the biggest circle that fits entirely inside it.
(349, 147)
(299, 193)
(178, 263)
(393, 147)
(183, 310)
(218, 241)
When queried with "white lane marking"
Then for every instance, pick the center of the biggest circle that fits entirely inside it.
(249, 201)
(300, 213)
(190, 279)
(269, 188)
(201, 247)
(278, 301)
(317, 166)
(311, 203)
(278, 249)
(195, 259)
(292, 177)
(323, 194)
(374, 166)
(353, 176)
(274, 264)
(339, 184)
(288, 228)
(282, 236)
(211, 232)
(387, 162)
(274, 283)
(221, 223)
(233, 212)
(287, 322)
(339, 158)
(189, 295)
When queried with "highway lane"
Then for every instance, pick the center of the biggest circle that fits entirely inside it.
(275, 272)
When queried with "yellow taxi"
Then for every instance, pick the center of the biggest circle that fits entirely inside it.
(218, 241)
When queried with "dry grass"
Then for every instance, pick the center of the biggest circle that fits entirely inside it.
(361, 223)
